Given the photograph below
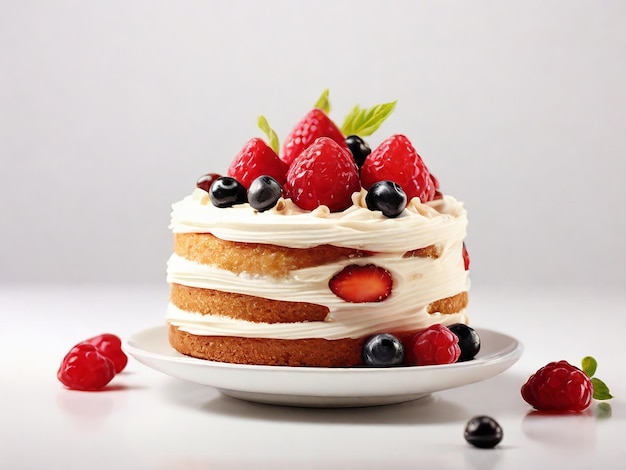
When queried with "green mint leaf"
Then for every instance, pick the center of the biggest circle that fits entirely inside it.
(364, 122)
(350, 122)
(323, 103)
(272, 137)
(600, 390)
(589, 366)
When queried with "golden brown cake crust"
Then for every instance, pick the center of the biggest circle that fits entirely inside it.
(453, 304)
(274, 352)
(257, 258)
(430, 251)
(244, 307)
(310, 352)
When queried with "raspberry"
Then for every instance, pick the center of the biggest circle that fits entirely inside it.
(110, 346)
(558, 386)
(434, 345)
(85, 368)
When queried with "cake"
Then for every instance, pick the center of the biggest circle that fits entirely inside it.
(297, 256)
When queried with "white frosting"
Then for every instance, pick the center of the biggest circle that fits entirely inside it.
(353, 327)
(357, 227)
(417, 282)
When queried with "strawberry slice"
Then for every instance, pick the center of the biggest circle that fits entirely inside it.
(466, 258)
(395, 159)
(323, 174)
(357, 284)
(256, 159)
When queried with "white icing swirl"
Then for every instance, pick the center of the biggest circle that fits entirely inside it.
(357, 227)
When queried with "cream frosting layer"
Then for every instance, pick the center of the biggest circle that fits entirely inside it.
(357, 227)
(417, 282)
(354, 327)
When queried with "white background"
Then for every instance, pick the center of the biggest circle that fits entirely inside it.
(109, 111)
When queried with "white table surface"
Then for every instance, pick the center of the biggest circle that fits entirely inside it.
(146, 419)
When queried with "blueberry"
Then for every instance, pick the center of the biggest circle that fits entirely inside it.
(469, 341)
(360, 150)
(383, 350)
(386, 196)
(226, 191)
(264, 193)
(483, 432)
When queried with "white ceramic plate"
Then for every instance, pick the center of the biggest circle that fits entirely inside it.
(324, 387)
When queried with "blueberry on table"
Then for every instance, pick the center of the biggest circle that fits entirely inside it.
(226, 192)
(483, 432)
(383, 350)
(469, 341)
(387, 197)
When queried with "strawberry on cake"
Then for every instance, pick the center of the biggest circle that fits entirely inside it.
(320, 254)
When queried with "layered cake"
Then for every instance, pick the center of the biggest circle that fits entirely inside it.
(296, 256)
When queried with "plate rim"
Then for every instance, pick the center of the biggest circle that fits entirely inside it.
(321, 386)
(514, 349)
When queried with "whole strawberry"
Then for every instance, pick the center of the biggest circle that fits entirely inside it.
(85, 368)
(323, 174)
(314, 125)
(256, 159)
(396, 159)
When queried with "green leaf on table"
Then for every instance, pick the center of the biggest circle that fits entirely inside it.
(600, 390)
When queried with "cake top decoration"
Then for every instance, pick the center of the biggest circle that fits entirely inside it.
(323, 165)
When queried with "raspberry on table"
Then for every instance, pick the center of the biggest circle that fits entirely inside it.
(558, 386)
(85, 368)
(110, 345)
(433, 346)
